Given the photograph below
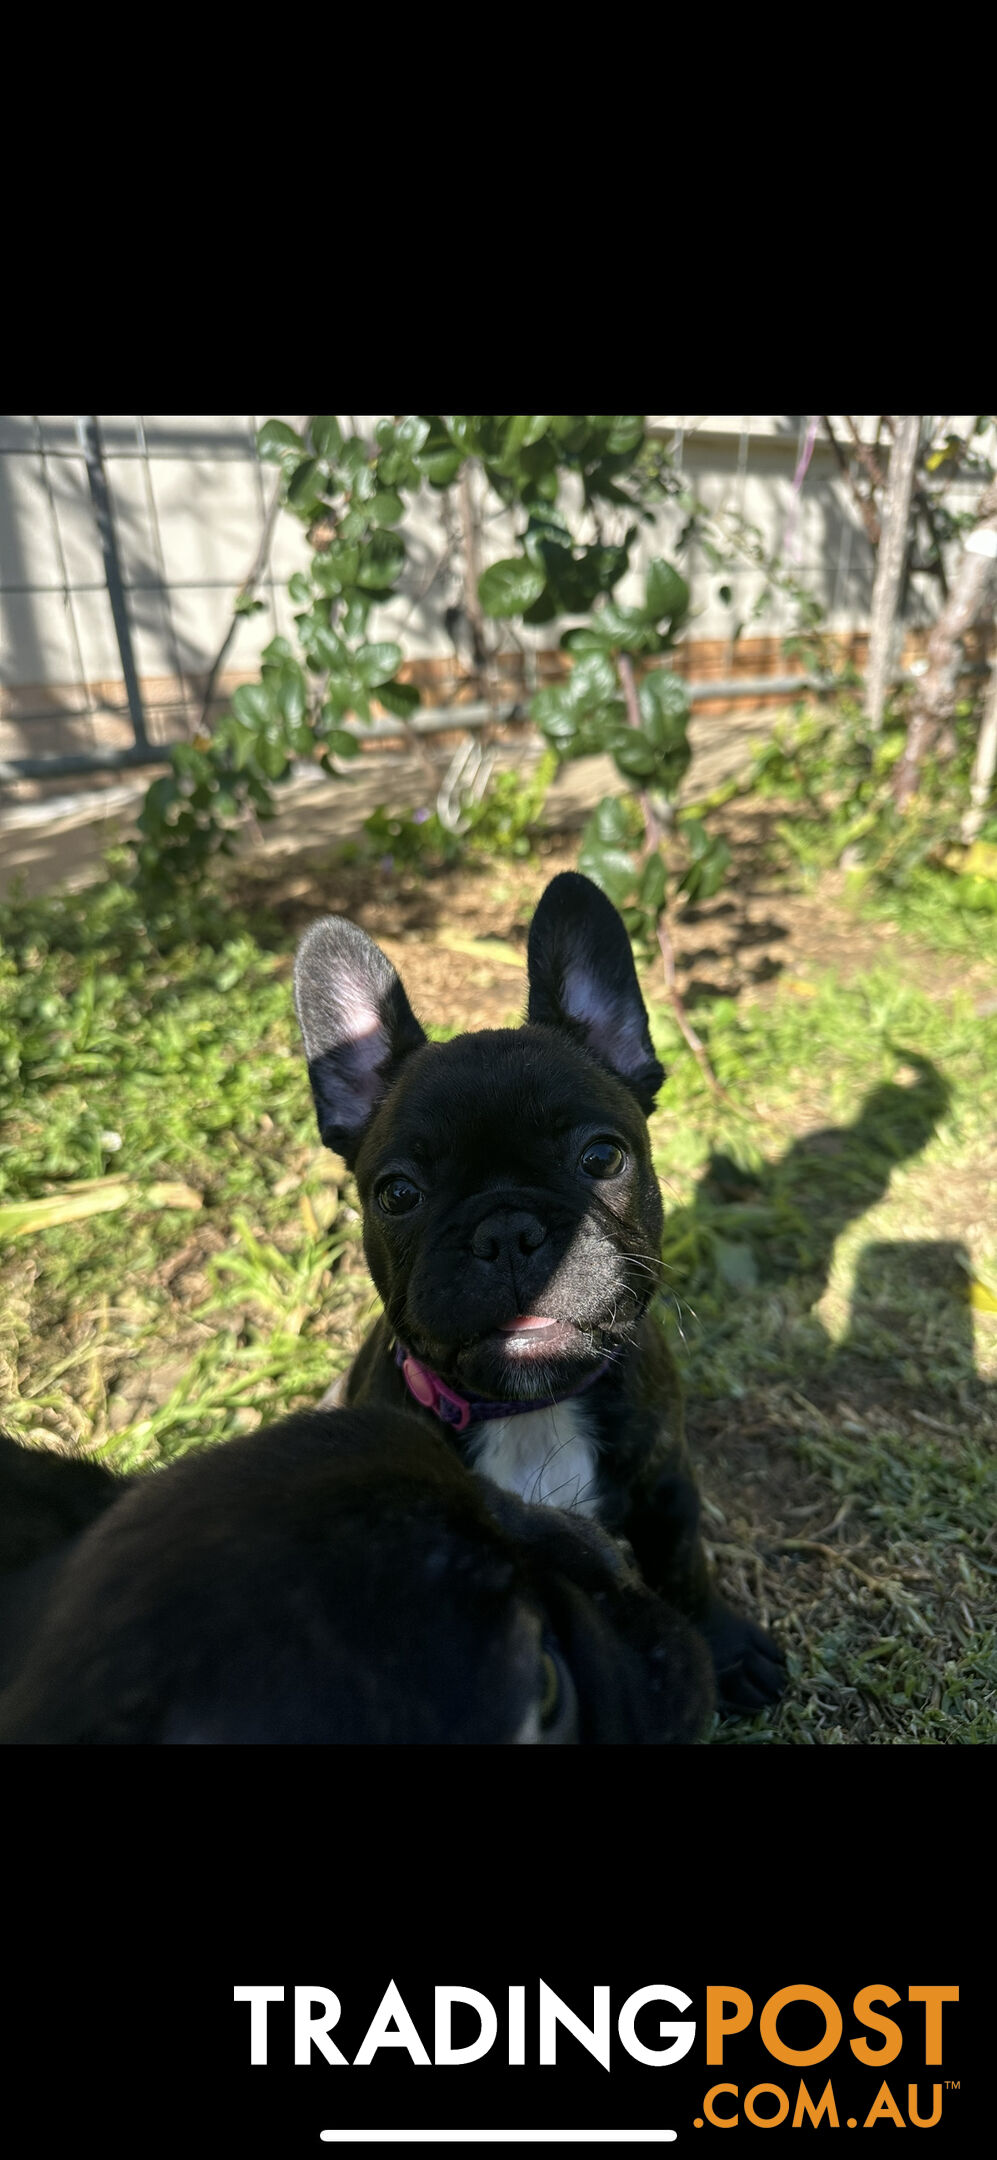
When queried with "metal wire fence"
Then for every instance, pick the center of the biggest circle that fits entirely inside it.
(124, 541)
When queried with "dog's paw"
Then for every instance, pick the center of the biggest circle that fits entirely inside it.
(749, 1665)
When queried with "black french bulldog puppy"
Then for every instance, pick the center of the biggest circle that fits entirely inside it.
(512, 1225)
(338, 1578)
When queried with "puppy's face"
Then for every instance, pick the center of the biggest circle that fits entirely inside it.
(512, 1219)
(511, 1214)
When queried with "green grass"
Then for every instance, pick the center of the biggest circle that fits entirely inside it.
(931, 909)
(830, 1254)
(829, 1225)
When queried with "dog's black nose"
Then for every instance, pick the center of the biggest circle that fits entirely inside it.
(506, 1232)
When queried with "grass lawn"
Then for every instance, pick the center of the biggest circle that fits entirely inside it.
(830, 1250)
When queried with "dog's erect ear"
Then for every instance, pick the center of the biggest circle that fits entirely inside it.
(357, 1025)
(583, 979)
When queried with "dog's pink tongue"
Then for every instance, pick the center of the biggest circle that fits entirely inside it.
(523, 1321)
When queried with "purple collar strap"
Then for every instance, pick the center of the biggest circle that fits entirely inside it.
(460, 1411)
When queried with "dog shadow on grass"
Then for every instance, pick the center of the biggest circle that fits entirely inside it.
(777, 1227)
(852, 1477)
(791, 1213)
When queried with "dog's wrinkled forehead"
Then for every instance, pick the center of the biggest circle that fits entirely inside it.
(504, 1091)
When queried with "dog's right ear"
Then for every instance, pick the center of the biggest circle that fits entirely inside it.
(357, 1025)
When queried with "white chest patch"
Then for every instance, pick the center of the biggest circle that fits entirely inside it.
(546, 1456)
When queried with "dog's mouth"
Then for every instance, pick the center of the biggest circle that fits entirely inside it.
(532, 1354)
(534, 1338)
(522, 1332)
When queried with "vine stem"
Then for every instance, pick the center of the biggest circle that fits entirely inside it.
(654, 834)
(247, 591)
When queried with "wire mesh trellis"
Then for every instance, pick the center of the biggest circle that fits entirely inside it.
(144, 626)
(97, 695)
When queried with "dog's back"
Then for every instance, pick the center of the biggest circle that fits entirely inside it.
(339, 1578)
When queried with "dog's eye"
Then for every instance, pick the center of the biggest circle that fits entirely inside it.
(551, 1696)
(398, 1196)
(558, 1703)
(602, 1158)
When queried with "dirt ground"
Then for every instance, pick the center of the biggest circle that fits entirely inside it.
(763, 928)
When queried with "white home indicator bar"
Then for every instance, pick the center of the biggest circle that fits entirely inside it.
(498, 2137)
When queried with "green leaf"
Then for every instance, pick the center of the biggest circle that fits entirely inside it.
(305, 490)
(336, 567)
(592, 680)
(570, 430)
(382, 560)
(292, 695)
(542, 611)
(386, 507)
(328, 649)
(556, 721)
(438, 458)
(377, 663)
(327, 435)
(608, 565)
(625, 434)
(666, 592)
(299, 590)
(706, 873)
(545, 529)
(611, 821)
(272, 756)
(274, 439)
(588, 638)
(246, 605)
(242, 740)
(664, 708)
(343, 743)
(440, 466)
(279, 648)
(553, 704)
(510, 586)
(354, 457)
(523, 430)
(696, 837)
(395, 467)
(671, 770)
(400, 698)
(463, 430)
(628, 628)
(599, 731)
(609, 868)
(634, 756)
(358, 608)
(364, 488)
(412, 432)
(253, 704)
(538, 463)
(160, 795)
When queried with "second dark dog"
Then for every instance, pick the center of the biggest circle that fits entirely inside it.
(337, 1578)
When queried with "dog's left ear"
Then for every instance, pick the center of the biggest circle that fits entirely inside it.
(582, 979)
(357, 1025)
